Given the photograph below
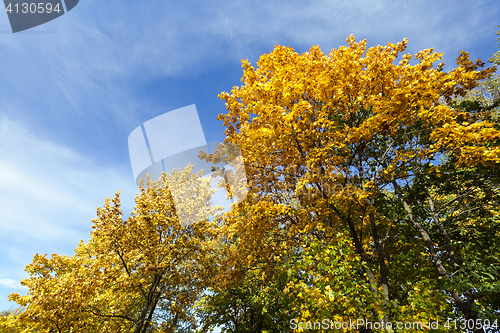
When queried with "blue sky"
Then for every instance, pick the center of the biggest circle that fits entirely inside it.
(72, 90)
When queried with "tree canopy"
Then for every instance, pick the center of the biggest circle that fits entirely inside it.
(374, 196)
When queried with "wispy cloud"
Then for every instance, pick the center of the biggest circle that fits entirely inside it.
(48, 195)
(449, 26)
(9, 283)
(41, 179)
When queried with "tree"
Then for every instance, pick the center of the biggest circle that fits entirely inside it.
(5, 326)
(351, 136)
(142, 274)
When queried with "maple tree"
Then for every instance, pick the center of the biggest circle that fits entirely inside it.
(139, 275)
(356, 119)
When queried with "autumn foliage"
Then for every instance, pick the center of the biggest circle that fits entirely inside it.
(374, 194)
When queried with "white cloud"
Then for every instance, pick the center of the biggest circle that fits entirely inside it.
(48, 195)
(448, 26)
(48, 191)
(9, 283)
(164, 39)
